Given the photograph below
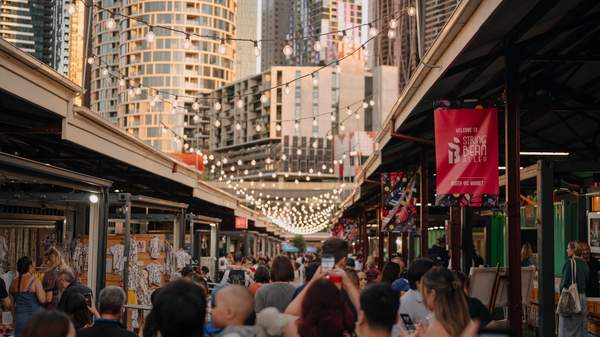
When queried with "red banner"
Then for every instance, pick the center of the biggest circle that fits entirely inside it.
(241, 222)
(466, 155)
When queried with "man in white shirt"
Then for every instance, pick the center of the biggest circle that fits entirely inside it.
(236, 273)
(411, 303)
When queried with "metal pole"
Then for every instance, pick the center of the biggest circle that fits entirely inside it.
(512, 159)
(380, 238)
(127, 244)
(467, 238)
(455, 227)
(545, 246)
(365, 239)
(424, 196)
(102, 242)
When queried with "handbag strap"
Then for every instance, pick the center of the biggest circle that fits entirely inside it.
(573, 271)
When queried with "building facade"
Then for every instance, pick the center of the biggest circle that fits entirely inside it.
(275, 26)
(38, 27)
(312, 18)
(247, 28)
(287, 129)
(435, 14)
(170, 65)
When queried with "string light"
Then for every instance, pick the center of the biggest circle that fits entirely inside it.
(111, 24)
(150, 36)
(71, 9)
(411, 11)
(256, 49)
(263, 98)
(286, 89)
(373, 30)
(187, 43)
(317, 46)
(240, 103)
(238, 126)
(217, 106)
(315, 80)
(393, 23)
(391, 34)
(221, 48)
(332, 117)
(90, 60)
(288, 51)
(196, 106)
(217, 123)
(278, 127)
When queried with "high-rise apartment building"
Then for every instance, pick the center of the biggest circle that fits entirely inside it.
(247, 28)
(38, 27)
(275, 26)
(256, 121)
(179, 69)
(314, 18)
(435, 14)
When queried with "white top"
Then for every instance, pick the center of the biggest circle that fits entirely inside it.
(358, 265)
(411, 303)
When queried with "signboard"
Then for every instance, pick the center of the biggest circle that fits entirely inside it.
(594, 231)
(241, 222)
(398, 200)
(466, 156)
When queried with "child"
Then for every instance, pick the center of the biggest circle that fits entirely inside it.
(233, 306)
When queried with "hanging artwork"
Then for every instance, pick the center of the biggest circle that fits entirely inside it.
(345, 229)
(398, 194)
(466, 156)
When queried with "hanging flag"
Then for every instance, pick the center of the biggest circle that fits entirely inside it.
(398, 201)
(241, 222)
(466, 156)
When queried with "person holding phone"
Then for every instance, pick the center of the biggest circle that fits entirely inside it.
(321, 309)
(67, 282)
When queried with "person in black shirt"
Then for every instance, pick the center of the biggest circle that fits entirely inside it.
(477, 310)
(592, 289)
(438, 253)
(111, 304)
(67, 282)
(4, 298)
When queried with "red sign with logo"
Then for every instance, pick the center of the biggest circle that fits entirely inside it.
(466, 151)
(241, 222)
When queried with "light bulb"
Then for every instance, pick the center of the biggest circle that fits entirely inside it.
(299, 152)
(411, 11)
(345, 38)
(288, 51)
(393, 23)
(90, 60)
(150, 36)
(332, 117)
(317, 46)
(315, 80)
(253, 162)
(283, 157)
(324, 167)
(296, 125)
(329, 137)
(111, 23)
(258, 128)
(357, 116)
(264, 98)
(225, 160)
(138, 91)
(130, 92)
(217, 106)
(211, 157)
(246, 172)
(268, 160)
(122, 82)
(187, 43)
(196, 106)
(342, 127)
(307, 178)
(278, 127)
(373, 31)
(240, 103)
(71, 9)
(337, 68)
(239, 162)
(221, 48)
(217, 123)
(371, 102)
(296, 181)
(186, 146)
(315, 123)
(348, 111)
(391, 34)
(315, 145)
(196, 119)
(238, 126)
(286, 89)
(104, 71)
(256, 49)
(365, 105)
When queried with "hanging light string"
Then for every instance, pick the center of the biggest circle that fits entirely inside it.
(291, 37)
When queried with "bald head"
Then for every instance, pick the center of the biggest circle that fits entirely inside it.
(236, 300)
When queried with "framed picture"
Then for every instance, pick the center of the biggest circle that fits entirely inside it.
(594, 231)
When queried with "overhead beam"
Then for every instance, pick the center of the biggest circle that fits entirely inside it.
(418, 140)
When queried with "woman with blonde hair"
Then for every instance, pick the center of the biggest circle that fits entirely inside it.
(574, 325)
(56, 264)
(527, 257)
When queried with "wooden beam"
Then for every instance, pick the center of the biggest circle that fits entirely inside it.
(418, 140)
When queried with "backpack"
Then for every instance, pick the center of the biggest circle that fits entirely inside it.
(237, 276)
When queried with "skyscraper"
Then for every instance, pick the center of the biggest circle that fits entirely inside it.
(149, 56)
(312, 18)
(247, 28)
(38, 27)
(435, 15)
(275, 25)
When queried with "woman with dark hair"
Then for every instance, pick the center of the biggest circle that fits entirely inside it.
(321, 308)
(575, 270)
(261, 277)
(49, 324)
(178, 311)
(28, 294)
(390, 272)
(78, 311)
(279, 293)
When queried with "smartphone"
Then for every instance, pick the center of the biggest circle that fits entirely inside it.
(408, 323)
(494, 333)
(327, 263)
(88, 299)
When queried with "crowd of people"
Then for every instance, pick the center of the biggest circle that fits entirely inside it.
(307, 295)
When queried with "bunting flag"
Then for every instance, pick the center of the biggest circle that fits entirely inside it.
(399, 211)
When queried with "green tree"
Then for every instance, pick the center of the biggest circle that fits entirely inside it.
(298, 242)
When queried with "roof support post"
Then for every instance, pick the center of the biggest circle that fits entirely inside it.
(455, 236)
(98, 227)
(380, 237)
(127, 238)
(545, 247)
(467, 239)
(512, 158)
(365, 238)
(424, 196)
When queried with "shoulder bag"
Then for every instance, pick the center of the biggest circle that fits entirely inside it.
(569, 303)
